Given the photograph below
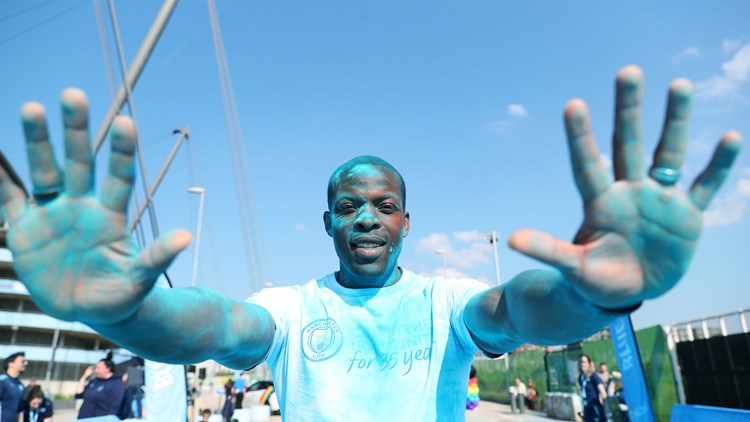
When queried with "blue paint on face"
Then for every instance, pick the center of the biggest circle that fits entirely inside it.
(368, 223)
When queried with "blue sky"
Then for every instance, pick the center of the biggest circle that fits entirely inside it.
(465, 99)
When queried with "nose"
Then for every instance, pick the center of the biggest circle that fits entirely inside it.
(366, 221)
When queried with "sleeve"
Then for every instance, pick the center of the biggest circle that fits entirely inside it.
(50, 410)
(80, 395)
(462, 291)
(277, 301)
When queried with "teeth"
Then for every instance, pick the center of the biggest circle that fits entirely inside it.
(367, 245)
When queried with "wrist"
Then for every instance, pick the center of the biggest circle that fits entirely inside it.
(625, 310)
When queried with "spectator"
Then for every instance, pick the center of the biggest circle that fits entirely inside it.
(592, 391)
(472, 396)
(518, 397)
(11, 389)
(531, 395)
(238, 389)
(228, 410)
(104, 394)
(205, 415)
(609, 387)
(37, 408)
(134, 389)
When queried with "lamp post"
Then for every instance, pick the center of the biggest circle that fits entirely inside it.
(199, 191)
(445, 262)
(492, 238)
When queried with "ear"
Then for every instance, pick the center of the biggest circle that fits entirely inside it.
(327, 223)
(406, 224)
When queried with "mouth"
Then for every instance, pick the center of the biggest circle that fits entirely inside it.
(370, 247)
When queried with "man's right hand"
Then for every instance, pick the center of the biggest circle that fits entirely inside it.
(73, 252)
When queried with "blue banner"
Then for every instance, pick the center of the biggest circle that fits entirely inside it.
(634, 385)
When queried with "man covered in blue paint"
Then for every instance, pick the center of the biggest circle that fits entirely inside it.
(371, 341)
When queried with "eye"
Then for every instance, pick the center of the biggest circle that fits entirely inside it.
(388, 208)
(347, 208)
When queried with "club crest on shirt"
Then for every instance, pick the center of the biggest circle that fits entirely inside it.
(321, 339)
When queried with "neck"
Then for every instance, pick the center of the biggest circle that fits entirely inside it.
(13, 372)
(353, 281)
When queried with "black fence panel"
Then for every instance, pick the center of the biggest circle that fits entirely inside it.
(716, 371)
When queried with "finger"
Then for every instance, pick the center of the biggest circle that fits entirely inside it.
(558, 253)
(670, 153)
(46, 176)
(708, 183)
(118, 184)
(79, 158)
(628, 148)
(157, 257)
(590, 175)
(12, 198)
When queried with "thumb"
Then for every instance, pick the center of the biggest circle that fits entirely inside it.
(159, 255)
(558, 253)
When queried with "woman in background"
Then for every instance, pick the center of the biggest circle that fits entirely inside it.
(37, 407)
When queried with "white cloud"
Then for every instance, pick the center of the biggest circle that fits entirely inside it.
(504, 126)
(731, 208)
(730, 46)
(300, 227)
(690, 52)
(517, 110)
(463, 250)
(735, 73)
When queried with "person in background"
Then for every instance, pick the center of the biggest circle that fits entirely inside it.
(37, 407)
(519, 397)
(205, 415)
(238, 389)
(104, 394)
(11, 389)
(592, 391)
(134, 388)
(228, 410)
(531, 395)
(472, 396)
(609, 387)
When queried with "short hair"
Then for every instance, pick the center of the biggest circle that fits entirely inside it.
(584, 355)
(11, 358)
(371, 160)
(204, 411)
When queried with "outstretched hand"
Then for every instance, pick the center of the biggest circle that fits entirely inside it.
(72, 251)
(639, 231)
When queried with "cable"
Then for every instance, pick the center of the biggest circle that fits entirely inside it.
(31, 28)
(30, 9)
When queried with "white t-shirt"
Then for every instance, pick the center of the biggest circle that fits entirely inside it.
(401, 352)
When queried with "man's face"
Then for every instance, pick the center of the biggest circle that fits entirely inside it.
(18, 364)
(368, 223)
(603, 368)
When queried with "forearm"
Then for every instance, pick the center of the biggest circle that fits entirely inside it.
(81, 385)
(538, 307)
(188, 325)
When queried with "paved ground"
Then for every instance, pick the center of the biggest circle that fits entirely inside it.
(485, 412)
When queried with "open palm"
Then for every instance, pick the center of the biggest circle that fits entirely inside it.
(639, 231)
(73, 252)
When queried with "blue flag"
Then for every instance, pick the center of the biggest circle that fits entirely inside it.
(633, 380)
